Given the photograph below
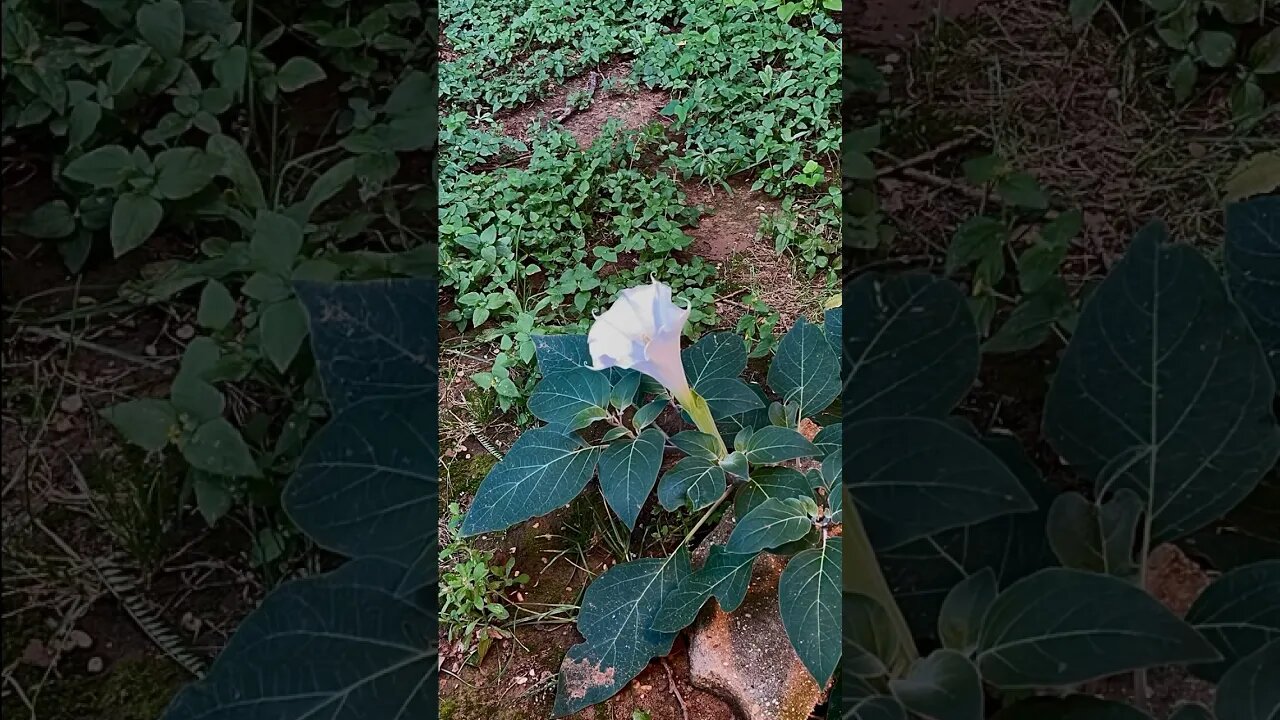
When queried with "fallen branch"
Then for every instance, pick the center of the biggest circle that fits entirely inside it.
(675, 689)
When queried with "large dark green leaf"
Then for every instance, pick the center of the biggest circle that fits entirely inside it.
(943, 686)
(805, 370)
(769, 482)
(1249, 690)
(1191, 711)
(1252, 258)
(725, 576)
(1061, 627)
(366, 484)
(695, 480)
(922, 573)
(543, 470)
(875, 708)
(960, 619)
(913, 477)
(370, 341)
(1164, 371)
(773, 444)
(809, 602)
(715, 355)
(911, 347)
(771, 524)
(628, 471)
(572, 399)
(1086, 536)
(346, 645)
(1071, 707)
(557, 353)
(728, 396)
(1238, 613)
(870, 647)
(618, 610)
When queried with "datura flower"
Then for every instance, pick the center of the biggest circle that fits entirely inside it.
(641, 331)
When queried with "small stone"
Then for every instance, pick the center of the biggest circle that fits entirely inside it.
(520, 679)
(72, 404)
(186, 332)
(80, 639)
(35, 653)
(150, 350)
(1197, 150)
(1113, 94)
(63, 424)
(95, 665)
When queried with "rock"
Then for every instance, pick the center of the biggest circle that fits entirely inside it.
(35, 653)
(745, 657)
(95, 665)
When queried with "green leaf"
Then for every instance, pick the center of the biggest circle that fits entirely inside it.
(922, 573)
(650, 412)
(1182, 77)
(628, 471)
(82, 122)
(564, 399)
(284, 327)
(828, 440)
(870, 647)
(942, 686)
(1032, 320)
(1216, 48)
(1082, 12)
(1248, 690)
(1238, 613)
(805, 370)
(557, 353)
(213, 500)
(101, 167)
(893, 322)
(699, 481)
(624, 390)
(809, 602)
(618, 610)
(1062, 627)
(1249, 533)
(697, 444)
(715, 355)
(183, 172)
(329, 184)
(1236, 12)
(387, 650)
(50, 221)
(960, 620)
(1086, 536)
(146, 423)
(1252, 260)
(771, 524)
(217, 447)
(134, 218)
(1264, 56)
(769, 482)
(125, 61)
(275, 244)
(773, 444)
(237, 168)
(217, 307)
(297, 73)
(735, 463)
(1257, 175)
(1163, 367)
(978, 239)
(1247, 102)
(542, 471)
(725, 576)
(162, 25)
(1071, 707)
(1022, 190)
(918, 476)
(1038, 264)
(728, 396)
(366, 482)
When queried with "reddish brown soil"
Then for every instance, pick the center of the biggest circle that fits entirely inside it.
(635, 109)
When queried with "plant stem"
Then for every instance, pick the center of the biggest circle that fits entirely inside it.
(862, 575)
(701, 414)
(705, 516)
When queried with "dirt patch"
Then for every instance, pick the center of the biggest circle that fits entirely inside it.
(730, 224)
(612, 99)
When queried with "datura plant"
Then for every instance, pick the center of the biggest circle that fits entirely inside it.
(1005, 596)
(601, 398)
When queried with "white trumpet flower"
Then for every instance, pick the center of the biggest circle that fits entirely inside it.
(641, 331)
